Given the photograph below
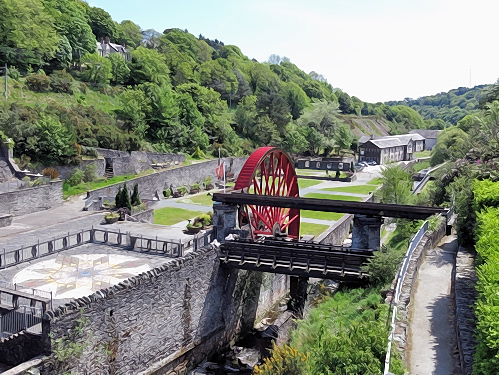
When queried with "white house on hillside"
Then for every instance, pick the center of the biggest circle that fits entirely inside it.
(105, 48)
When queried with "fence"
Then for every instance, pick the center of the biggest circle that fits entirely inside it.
(400, 281)
(157, 246)
(23, 318)
(6, 299)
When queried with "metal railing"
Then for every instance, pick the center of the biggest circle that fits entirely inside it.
(7, 300)
(23, 318)
(398, 289)
(143, 244)
(44, 248)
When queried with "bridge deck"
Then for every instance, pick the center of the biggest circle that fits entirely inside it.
(297, 259)
(330, 205)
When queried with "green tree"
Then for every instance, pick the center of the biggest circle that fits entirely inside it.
(135, 196)
(27, 31)
(98, 70)
(134, 110)
(452, 144)
(120, 71)
(102, 24)
(129, 34)
(149, 66)
(397, 186)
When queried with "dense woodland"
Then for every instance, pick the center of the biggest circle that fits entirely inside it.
(177, 92)
(448, 108)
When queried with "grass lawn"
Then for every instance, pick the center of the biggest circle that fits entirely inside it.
(422, 165)
(202, 199)
(321, 215)
(304, 182)
(173, 215)
(361, 189)
(422, 154)
(307, 172)
(68, 191)
(313, 229)
(333, 197)
(376, 181)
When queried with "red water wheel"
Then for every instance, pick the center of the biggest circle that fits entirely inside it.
(269, 171)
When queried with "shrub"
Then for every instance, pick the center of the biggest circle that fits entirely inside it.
(14, 73)
(83, 87)
(135, 196)
(76, 178)
(61, 81)
(90, 173)
(285, 360)
(182, 190)
(112, 215)
(486, 194)
(383, 266)
(38, 83)
(50, 172)
(167, 193)
(205, 219)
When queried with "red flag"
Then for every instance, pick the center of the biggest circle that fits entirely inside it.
(220, 171)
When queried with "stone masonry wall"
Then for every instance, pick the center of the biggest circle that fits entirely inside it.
(66, 171)
(157, 182)
(160, 322)
(337, 233)
(34, 199)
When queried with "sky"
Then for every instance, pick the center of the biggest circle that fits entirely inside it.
(376, 50)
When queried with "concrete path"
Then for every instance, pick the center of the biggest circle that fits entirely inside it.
(431, 338)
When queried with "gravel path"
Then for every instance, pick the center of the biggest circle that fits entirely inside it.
(432, 338)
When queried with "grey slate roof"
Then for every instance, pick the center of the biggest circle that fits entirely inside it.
(426, 133)
(395, 140)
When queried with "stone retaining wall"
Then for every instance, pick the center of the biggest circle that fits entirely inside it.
(337, 233)
(145, 216)
(160, 322)
(66, 171)
(153, 185)
(5, 220)
(31, 200)
(429, 240)
(465, 297)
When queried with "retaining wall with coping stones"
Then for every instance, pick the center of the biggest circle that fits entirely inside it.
(155, 183)
(26, 201)
(171, 317)
(66, 171)
(428, 241)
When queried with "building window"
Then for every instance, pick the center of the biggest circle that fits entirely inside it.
(340, 165)
(307, 164)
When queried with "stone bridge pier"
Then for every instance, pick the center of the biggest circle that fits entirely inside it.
(366, 233)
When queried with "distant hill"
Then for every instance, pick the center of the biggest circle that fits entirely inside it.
(367, 125)
(450, 107)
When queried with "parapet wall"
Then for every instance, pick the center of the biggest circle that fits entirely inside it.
(155, 183)
(25, 201)
(160, 322)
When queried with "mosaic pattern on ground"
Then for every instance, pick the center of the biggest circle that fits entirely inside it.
(74, 276)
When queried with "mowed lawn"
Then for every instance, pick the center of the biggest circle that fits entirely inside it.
(376, 181)
(202, 199)
(305, 183)
(360, 189)
(312, 229)
(173, 215)
(321, 215)
(336, 197)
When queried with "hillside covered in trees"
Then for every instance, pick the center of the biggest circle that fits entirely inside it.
(448, 108)
(169, 92)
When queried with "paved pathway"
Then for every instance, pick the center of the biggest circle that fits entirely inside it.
(432, 339)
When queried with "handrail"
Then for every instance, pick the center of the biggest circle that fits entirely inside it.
(398, 290)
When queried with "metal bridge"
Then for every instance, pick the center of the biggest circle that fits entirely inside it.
(304, 259)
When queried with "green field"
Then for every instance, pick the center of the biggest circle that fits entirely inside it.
(173, 215)
(422, 154)
(202, 199)
(313, 229)
(304, 183)
(360, 189)
(376, 181)
(68, 191)
(321, 215)
(333, 197)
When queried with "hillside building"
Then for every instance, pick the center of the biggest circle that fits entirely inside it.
(391, 148)
(105, 48)
(430, 136)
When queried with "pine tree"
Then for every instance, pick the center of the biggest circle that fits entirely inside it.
(117, 199)
(125, 196)
(135, 196)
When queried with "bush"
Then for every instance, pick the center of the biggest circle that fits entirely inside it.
(205, 219)
(38, 83)
(486, 194)
(182, 190)
(90, 173)
(383, 266)
(50, 172)
(285, 360)
(167, 193)
(14, 73)
(76, 178)
(61, 81)
(135, 196)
